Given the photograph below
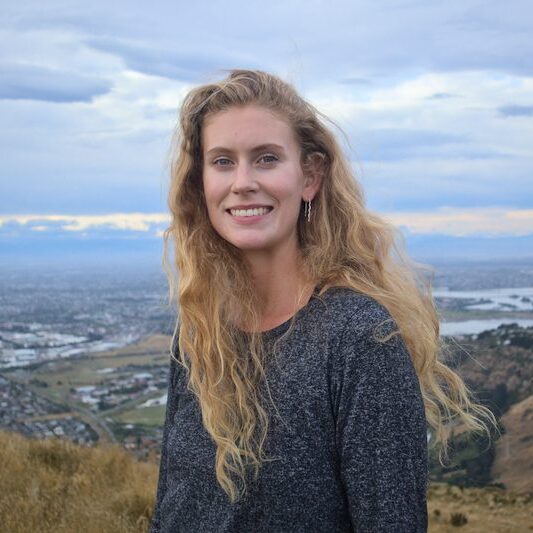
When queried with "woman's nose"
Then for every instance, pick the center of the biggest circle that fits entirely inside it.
(244, 179)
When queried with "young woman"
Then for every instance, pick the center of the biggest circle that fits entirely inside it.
(305, 358)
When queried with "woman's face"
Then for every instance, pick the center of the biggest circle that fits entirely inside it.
(253, 180)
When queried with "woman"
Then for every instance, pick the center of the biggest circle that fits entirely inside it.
(305, 357)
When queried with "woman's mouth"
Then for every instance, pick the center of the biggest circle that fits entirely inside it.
(252, 212)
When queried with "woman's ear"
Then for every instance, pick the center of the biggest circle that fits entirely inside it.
(314, 169)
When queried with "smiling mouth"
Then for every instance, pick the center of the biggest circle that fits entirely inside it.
(253, 212)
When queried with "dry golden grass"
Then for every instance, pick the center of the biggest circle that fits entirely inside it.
(54, 485)
(478, 510)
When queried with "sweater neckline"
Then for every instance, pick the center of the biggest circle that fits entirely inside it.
(284, 326)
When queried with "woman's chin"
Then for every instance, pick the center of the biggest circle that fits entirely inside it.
(252, 247)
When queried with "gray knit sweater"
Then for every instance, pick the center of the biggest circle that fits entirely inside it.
(348, 441)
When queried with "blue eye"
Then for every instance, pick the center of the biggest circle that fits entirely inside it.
(268, 158)
(222, 161)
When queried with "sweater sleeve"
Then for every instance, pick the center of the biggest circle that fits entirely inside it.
(381, 429)
(170, 411)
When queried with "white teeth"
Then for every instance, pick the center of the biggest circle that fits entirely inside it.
(249, 212)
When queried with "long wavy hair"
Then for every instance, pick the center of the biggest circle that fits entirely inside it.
(344, 245)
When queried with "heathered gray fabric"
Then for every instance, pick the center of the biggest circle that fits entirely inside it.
(349, 452)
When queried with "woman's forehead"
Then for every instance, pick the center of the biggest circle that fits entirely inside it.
(252, 125)
(252, 108)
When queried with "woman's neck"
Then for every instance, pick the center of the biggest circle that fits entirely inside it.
(281, 283)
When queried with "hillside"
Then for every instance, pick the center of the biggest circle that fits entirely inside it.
(497, 364)
(514, 451)
(56, 486)
(478, 510)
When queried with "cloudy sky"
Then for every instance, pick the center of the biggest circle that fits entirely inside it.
(436, 100)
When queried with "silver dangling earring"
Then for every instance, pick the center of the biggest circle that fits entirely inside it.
(307, 210)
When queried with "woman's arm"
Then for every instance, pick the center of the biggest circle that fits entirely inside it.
(172, 402)
(381, 429)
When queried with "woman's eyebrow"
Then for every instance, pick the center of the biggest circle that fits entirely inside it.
(260, 148)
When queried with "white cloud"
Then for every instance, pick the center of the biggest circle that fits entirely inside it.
(490, 222)
(143, 222)
(472, 108)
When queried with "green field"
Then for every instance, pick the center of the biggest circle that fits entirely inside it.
(147, 416)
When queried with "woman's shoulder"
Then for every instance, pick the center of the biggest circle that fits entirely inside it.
(366, 339)
(350, 308)
(353, 320)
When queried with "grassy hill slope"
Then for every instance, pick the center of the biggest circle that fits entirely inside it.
(54, 485)
(514, 451)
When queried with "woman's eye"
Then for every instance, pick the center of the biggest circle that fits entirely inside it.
(268, 158)
(222, 162)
